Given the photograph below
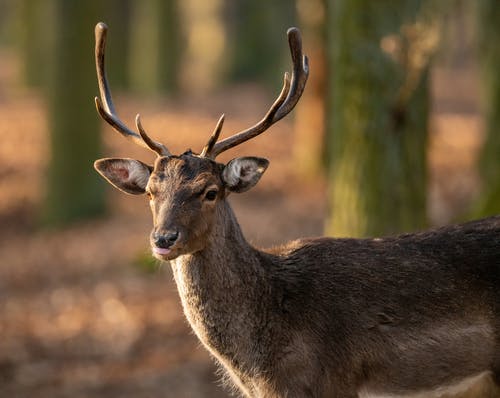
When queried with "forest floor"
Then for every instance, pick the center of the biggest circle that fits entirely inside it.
(80, 315)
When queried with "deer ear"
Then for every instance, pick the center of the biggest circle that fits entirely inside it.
(128, 175)
(241, 174)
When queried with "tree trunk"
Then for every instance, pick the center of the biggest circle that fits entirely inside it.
(34, 40)
(169, 46)
(74, 191)
(256, 29)
(489, 37)
(143, 61)
(309, 120)
(155, 46)
(204, 47)
(377, 115)
(117, 14)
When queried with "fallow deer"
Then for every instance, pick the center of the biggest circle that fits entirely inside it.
(413, 315)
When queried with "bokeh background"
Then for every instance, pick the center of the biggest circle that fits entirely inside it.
(397, 131)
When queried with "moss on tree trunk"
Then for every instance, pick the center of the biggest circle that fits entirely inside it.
(377, 116)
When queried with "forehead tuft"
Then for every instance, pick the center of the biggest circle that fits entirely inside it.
(186, 167)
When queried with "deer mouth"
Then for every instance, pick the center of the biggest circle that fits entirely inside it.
(164, 254)
(161, 251)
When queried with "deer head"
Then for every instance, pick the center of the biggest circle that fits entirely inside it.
(185, 190)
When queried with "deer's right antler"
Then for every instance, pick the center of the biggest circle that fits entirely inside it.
(286, 101)
(105, 105)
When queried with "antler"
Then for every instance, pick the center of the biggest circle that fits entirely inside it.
(286, 101)
(105, 105)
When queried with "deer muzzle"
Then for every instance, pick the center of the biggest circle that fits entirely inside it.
(162, 242)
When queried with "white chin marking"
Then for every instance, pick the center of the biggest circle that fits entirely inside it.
(450, 390)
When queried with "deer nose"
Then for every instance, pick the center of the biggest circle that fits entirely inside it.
(166, 239)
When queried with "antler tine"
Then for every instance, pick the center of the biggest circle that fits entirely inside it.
(299, 75)
(159, 148)
(105, 106)
(286, 101)
(213, 138)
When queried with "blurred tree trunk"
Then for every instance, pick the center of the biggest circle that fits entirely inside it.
(255, 31)
(117, 14)
(169, 47)
(377, 115)
(489, 37)
(155, 46)
(204, 48)
(143, 59)
(309, 122)
(73, 190)
(34, 40)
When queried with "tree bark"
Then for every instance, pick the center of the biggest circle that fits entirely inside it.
(309, 117)
(256, 29)
(32, 42)
(74, 191)
(156, 49)
(377, 115)
(489, 36)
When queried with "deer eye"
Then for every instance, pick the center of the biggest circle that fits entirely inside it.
(211, 195)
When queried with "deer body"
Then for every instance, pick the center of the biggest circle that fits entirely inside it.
(409, 316)
(335, 317)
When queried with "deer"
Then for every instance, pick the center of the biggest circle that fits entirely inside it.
(412, 315)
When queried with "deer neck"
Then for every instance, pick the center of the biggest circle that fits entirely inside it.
(226, 251)
(227, 273)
